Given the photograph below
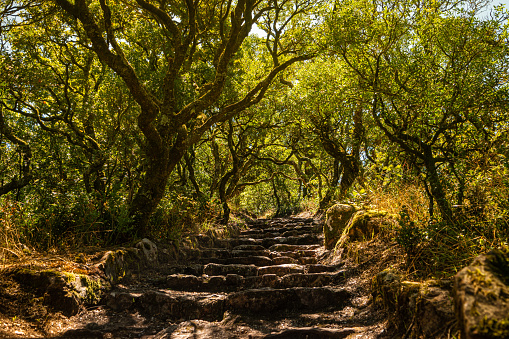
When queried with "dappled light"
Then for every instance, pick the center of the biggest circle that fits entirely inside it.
(261, 169)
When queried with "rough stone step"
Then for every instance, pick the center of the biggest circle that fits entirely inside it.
(251, 260)
(293, 254)
(249, 248)
(239, 269)
(249, 253)
(293, 248)
(312, 333)
(193, 269)
(291, 299)
(284, 223)
(246, 270)
(177, 306)
(299, 228)
(264, 235)
(194, 254)
(235, 282)
(181, 306)
(283, 260)
(260, 235)
(281, 270)
(234, 242)
(305, 239)
(307, 260)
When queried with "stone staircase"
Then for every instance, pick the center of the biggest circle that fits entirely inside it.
(271, 271)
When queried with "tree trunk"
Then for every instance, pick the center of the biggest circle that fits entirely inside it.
(325, 202)
(276, 196)
(189, 158)
(436, 188)
(152, 189)
(350, 173)
(222, 196)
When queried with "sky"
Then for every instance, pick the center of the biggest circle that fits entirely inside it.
(502, 2)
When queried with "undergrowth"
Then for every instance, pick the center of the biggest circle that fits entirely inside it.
(438, 249)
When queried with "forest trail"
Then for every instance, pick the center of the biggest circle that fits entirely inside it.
(270, 281)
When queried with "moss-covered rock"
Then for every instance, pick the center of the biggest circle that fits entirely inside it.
(120, 264)
(64, 292)
(364, 225)
(481, 297)
(337, 218)
(421, 310)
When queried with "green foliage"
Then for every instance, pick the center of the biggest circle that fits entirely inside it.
(403, 104)
(179, 214)
(408, 234)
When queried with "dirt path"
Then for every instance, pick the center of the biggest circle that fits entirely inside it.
(275, 280)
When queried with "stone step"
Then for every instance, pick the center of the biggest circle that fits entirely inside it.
(176, 306)
(281, 270)
(260, 235)
(246, 270)
(307, 260)
(250, 260)
(280, 230)
(305, 239)
(280, 260)
(196, 254)
(239, 269)
(260, 301)
(293, 254)
(181, 306)
(293, 247)
(235, 282)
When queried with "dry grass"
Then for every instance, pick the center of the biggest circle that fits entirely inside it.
(12, 243)
(410, 195)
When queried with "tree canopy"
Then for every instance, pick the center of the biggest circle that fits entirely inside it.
(144, 118)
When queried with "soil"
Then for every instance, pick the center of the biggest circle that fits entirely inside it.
(25, 314)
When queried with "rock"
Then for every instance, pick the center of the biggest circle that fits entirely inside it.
(337, 218)
(118, 265)
(481, 297)
(149, 250)
(63, 291)
(311, 332)
(364, 225)
(385, 288)
(421, 310)
(281, 270)
(270, 300)
(218, 269)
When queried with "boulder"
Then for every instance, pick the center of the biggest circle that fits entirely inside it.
(336, 219)
(64, 292)
(421, 310)
(119, 265)
(481, 297)
(345, 223)
(364, 225)
(149, 251)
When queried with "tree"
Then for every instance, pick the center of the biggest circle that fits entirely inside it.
(177, 61)
(435, 73)
(333, 110)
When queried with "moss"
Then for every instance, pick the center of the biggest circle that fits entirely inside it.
(363, 226)
(498, 262)
(337, 218)
(93, 289)
(479, 278)
(119, 264)
(495, 328)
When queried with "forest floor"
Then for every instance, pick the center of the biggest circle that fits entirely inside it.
(274, 280)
